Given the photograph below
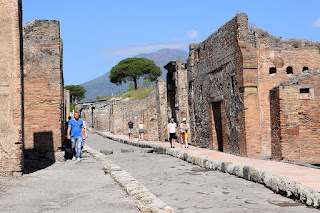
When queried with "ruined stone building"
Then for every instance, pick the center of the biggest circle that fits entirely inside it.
(295, 118)
(114, 115)
(11, 87)
(32, 104)
(43, 86)
(229, 78)
(177, 90)
(244, 92)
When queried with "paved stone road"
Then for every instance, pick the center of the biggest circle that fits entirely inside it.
(189, 188)
(65, 187)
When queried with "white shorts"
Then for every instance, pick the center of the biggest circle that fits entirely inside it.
(130, 130)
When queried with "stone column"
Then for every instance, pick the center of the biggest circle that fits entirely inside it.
(11, 87)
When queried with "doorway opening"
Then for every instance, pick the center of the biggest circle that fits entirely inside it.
(216, 110)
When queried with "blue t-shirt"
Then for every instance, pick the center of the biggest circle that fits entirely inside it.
(76, 127)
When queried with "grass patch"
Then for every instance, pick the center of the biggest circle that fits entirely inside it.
(132, 95)
(319, 48)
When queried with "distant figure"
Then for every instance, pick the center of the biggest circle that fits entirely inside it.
(76, 134)
(141, 131)
(130, 125)
(184, 129)
(172, 133)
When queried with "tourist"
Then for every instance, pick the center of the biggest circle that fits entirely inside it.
(172, 133)
(130, 125)
(141, 131)
(184, 129)
(76, 134)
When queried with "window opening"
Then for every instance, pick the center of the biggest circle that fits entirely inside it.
(272, 70)
(289, 70)
(305, 68)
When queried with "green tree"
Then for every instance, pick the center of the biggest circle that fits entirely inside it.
(98, 97)
(132, 69)
(77, 92)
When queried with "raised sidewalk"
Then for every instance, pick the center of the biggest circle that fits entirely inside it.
(297, 182)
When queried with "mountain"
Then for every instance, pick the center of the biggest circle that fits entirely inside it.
(102, 86)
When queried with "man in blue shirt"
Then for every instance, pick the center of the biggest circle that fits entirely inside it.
(76, 134)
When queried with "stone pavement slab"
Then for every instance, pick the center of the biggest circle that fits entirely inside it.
(65, 187)
(190, 188)
(299, 182)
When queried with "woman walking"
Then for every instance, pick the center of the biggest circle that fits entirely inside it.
(141, 131)
(184, 129)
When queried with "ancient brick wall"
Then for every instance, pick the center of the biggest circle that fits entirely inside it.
(295, 131)
(67, 103)
(162, 112)
(212, 78)
(11, 99)
(114, 115)
(237, 67)
(152, 116)
(279, 59)
(43, 86)
(177, 92)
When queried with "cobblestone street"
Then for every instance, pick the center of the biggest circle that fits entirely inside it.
(65, 187)
(189, 188)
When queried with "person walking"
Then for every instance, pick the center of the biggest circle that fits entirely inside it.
(172, 133)
(76, 134)
(184, 129)
(141, 131)
(130, 125)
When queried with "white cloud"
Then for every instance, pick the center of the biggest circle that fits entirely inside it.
(316, 24)
(134, 49)
(193, 34)
(141, 48)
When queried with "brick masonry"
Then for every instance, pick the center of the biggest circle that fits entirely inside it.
(229, 78)
(44, 103)
(223, 90)
(295, 112)
(162, 111)
(66, 104)
(177, 92)
(11, 99)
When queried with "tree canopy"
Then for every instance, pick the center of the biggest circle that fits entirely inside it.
(132, 69)
(77, 92)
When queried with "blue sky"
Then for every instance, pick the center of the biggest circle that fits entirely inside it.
(97, 34)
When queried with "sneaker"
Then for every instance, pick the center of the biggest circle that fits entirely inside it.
(74, 158)
(183, 146)
(78, 159)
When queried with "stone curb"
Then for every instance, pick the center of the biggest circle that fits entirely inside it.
(279, 184)
(148, 202)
